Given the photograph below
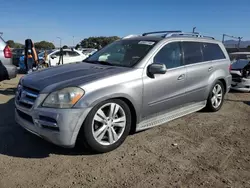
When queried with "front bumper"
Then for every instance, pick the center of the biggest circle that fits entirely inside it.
(58, 126)
(243, 86)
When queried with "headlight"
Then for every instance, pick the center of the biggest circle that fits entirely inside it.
(65, 98)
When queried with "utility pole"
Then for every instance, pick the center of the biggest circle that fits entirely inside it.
(60, 41)
(239, 39)
(194, 29)
(239, 42)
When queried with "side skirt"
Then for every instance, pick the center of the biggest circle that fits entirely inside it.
(170, 115)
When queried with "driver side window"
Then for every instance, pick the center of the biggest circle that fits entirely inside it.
(170, 55)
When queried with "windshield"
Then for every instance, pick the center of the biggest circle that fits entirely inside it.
(124, 53)
(235, 57)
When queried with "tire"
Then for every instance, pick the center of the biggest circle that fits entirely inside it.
(94, 122)
(211, 104)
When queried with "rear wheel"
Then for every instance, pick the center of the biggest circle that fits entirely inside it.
(216, 97)
(107, 126)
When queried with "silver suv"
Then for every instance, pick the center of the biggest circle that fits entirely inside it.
(7, 69)
(130, 85)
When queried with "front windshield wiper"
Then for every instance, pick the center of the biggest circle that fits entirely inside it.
(100, 62)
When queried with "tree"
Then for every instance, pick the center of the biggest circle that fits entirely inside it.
(13, 44)
(97, 42)
(44, 45)
(248, 48)
(77, 46)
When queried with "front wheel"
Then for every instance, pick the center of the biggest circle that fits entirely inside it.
(216, 97)
(107, 126)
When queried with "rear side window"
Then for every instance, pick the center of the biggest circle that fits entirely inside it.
(73, 54)
(212, 52)
(192, 52)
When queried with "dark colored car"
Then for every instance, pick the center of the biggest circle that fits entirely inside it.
(17, 53)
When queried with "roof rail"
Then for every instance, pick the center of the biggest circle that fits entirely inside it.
(195, 34)
(130, 36)
(158, 32)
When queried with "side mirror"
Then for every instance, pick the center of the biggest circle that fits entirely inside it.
(157, 69)
(53, 56)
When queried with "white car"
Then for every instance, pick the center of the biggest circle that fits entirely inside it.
(69, 56)
(234, 56)
(240, 72)
(89, 51)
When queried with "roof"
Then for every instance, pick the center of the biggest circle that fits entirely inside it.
(162, 35)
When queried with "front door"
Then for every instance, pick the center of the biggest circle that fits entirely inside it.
(165, 92)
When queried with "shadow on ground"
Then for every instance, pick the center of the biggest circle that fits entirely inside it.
(8, 91)
(245, 102)
(17, 142)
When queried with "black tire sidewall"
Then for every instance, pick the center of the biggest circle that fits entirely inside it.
(87, 128)
(209, 103)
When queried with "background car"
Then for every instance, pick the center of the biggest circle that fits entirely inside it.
(17, 53)
(241, 75)
(239, 55)
(69, 56)
(41, 59)
(89, 51)
(7, 69)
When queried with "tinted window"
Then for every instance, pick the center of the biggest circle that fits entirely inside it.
(72, 54)
(192, 52)
(170, 55)
(212, 52)
(58, 53)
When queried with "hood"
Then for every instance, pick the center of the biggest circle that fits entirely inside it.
(75, 74)
(240, 64)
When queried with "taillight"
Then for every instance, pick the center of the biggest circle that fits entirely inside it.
(7, 52)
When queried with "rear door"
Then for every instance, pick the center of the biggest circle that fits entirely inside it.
(74, 56)
(199, 69)
(54, 61)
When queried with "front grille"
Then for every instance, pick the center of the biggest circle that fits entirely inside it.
(236, 77)
(26, 96)
(25, 116)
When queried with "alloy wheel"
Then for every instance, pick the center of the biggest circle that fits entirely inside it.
(217, 96)
(108, 123)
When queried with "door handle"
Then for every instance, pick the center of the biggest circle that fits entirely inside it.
(181, 77)
(210, 68)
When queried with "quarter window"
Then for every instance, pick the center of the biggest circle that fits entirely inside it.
(192, 52)
(212, 52)
(170, 55)
(58, 53)
(73, 54)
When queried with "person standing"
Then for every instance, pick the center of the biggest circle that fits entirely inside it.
(30, 56)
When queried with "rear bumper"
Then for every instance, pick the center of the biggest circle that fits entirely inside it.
(12, 71)
(229, 82)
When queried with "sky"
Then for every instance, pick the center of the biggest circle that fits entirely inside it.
(74, 20)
